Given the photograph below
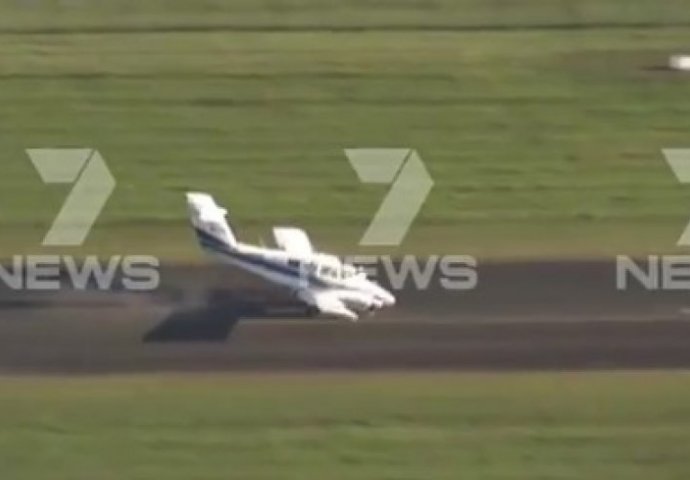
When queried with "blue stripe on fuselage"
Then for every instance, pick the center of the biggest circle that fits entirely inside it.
(218, 246)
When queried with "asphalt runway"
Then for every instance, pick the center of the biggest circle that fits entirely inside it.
(522, 316)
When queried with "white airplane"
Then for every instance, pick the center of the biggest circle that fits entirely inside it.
(326, 285)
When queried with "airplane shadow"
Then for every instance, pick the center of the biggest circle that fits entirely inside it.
(215, 322)
(205, 324)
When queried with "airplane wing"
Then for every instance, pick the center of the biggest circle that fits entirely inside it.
(327, 302)
(293, 240)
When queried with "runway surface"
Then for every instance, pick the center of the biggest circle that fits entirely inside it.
(548, 315)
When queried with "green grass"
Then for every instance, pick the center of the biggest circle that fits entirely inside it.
(51, 15)
(402, 426)
(542, 141)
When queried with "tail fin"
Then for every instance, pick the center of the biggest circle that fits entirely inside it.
(209, 222)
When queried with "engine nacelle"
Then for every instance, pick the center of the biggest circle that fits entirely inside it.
(360, 301)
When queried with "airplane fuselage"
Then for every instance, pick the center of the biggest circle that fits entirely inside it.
(321, 281)
(357, 292)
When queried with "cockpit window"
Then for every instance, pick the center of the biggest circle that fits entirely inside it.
(334, 271)
(330, 271)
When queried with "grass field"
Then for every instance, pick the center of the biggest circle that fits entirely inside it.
(445, 426)
(541, 122)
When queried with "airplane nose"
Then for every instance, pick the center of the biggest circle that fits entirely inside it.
(388, 298)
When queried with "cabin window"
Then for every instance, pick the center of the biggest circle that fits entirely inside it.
(327, 271)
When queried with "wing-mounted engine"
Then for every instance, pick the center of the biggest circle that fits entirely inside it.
(327, 304)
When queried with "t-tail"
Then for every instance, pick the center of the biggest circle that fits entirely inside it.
(208, 219)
